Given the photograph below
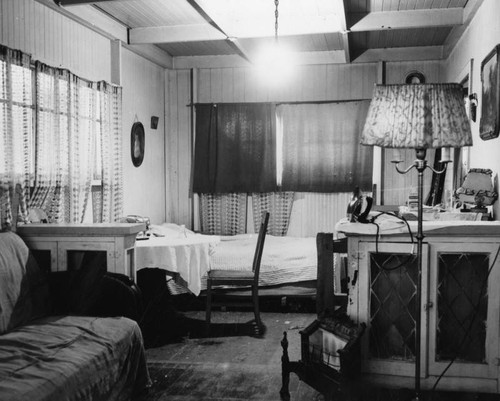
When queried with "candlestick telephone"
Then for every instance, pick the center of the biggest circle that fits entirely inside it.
(359, 207)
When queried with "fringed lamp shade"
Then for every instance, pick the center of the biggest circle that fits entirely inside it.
(417, 116)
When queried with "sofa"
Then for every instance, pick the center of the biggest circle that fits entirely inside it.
(49, 356)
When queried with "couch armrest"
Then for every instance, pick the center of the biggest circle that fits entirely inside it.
(93, 292)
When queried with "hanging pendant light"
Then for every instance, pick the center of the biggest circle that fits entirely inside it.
(274, 61)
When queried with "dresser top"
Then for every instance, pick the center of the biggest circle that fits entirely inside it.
(84, 229)
(430, 228)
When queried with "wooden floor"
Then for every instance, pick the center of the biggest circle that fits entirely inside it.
(232, 363)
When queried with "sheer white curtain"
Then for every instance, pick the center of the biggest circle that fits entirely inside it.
(110, 100)
(16, 114)
(65, 131)
(75, 142)
(78, 141)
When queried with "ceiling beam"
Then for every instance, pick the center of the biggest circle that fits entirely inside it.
(417, 53)
(233, 42)
(384, 20)
(244, 30)
(228, 61)
(76, 2)
(91, 18)
(175, 34)
(342, 21)
(225, 61)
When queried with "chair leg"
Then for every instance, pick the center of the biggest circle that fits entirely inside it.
(209, 303)
(255, 301)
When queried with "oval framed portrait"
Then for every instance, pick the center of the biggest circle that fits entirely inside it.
(137, 143)
(415, 77)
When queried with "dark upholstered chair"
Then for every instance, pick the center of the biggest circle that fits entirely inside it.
(239, 277)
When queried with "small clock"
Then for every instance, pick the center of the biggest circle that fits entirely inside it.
(415, 77)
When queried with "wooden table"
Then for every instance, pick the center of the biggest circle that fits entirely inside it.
(187, 256)
(116, 239)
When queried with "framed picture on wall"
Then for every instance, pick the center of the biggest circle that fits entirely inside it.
(490, 99)
(137, 143)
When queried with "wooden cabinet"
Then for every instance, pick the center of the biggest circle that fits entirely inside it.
(460, 304)
(59, 241)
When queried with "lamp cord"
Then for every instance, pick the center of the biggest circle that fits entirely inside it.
(410, 256)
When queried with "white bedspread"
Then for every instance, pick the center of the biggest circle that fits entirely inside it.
(284, 259)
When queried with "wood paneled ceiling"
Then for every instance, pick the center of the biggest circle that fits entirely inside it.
(194, 33)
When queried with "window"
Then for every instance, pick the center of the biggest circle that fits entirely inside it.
(260, 147)
(57, 129)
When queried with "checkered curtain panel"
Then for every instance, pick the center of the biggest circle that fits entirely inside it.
(279, 206)
(50, 165)
(108, 204)
(16, 116)
(223, 214)
(64, 138)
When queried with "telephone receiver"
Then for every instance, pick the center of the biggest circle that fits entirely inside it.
(360, 209)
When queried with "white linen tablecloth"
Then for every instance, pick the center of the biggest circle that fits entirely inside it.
(188, 256)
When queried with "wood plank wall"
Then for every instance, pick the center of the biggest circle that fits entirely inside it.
(143, 84)
(179, 148)
(54, 39)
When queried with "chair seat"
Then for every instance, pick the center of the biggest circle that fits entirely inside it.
(217, 275)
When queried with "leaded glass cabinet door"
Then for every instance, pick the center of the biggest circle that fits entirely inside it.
(388, 303)
(464, 317)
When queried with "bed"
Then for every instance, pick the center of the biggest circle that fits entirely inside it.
(285, 260)
(288, 266)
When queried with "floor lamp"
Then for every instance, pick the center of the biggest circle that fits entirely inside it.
(418, 116)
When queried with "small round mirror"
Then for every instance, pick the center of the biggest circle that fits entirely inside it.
(137, 143)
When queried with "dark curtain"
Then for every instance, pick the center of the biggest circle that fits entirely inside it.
(321, 150)
(235, 148)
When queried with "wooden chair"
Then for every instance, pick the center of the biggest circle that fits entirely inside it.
(240, 278)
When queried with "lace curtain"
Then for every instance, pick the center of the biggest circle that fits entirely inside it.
(110, 201)
(16, 116)
(223, 214)
(65, 132)
(77, 139)
(279, 205)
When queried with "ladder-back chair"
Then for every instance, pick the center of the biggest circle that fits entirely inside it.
(239, 277)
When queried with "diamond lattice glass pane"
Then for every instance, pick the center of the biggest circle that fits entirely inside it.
(462, 307)
(392, 306)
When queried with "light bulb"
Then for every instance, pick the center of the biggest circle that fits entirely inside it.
(275, 64)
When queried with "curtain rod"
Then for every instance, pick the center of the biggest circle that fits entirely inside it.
(280, 103)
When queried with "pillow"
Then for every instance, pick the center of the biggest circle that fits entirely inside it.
(170, 230)
(238, 237)
(23, 288)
